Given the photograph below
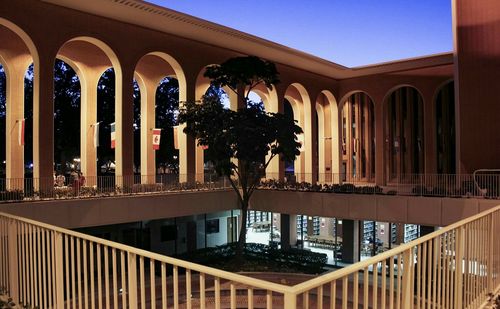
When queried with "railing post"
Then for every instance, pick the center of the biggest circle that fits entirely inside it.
(59, 273)
(13, 270)
(290, 301)
(132, 279)
(490, 267)
(459, 252)
(407, 292)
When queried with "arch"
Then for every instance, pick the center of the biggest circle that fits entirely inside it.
(403, 132)
(269, 97)
(150, 70)
(17, 53)
(24, 37)
(357, 137)
(300, 100)
(201, 86)
(328, 136)
(203, 83)
(67, 104)
(399, 86)
(91, 58)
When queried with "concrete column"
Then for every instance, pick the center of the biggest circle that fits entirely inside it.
(43, 124)
(430, 134)
(124, 118)
(310, 150)
(88, 118)
(410, 134)
(381, 144)
(321, 143)
(399, 136)
(288, 226)
(367, 138)
(148, 117)
(350, 241)
(187, 145)
(357, 135)
(14, 113)
(276, 168)
(349, 140)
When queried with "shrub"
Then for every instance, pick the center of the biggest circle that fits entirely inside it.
(11, 195)
(260, 257)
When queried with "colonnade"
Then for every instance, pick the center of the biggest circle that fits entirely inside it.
(341, 146)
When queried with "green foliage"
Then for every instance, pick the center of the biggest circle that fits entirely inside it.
(248, 134)
(259, 257)
(247, 71)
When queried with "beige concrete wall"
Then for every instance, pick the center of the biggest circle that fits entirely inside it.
(432, 211)
(115, 210)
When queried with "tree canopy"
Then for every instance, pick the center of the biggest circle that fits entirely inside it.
(248, 134)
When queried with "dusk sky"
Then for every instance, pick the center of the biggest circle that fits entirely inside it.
(351, 33)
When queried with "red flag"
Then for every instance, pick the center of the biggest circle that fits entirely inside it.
(113, 136)
(176, 138)
(21, 132)
(156, 138)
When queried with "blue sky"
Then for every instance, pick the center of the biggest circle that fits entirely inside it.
(349, 32)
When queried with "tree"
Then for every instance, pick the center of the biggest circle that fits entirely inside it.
(248, 134)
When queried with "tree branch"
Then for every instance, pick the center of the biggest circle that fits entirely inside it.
(254, 183)
(236, 189)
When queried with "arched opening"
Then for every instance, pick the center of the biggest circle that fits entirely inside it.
(358, 138)
(167, 110)
(404, 132)
(106, 163)
(67, 96)
(99, 73)
(269, 99)
(162, 84)
(445, 129)
(327, 137)
(229, 100)
(298, 98)
(17, 58)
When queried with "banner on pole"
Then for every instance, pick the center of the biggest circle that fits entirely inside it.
(96, 134)
(176, 137)
(21, 123)
(113, 135)
(156, 138)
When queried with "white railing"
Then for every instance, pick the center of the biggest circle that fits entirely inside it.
(49, 267)
(455, 267)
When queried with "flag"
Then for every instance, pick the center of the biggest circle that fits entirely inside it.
(176, 138)
(21, 132)
(156, 138)
(96, 134)
(113, 135)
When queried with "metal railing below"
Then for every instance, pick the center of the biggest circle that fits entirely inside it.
(32, 189)
(46, 266)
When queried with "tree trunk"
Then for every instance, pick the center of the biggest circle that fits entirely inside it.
(243, 229)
